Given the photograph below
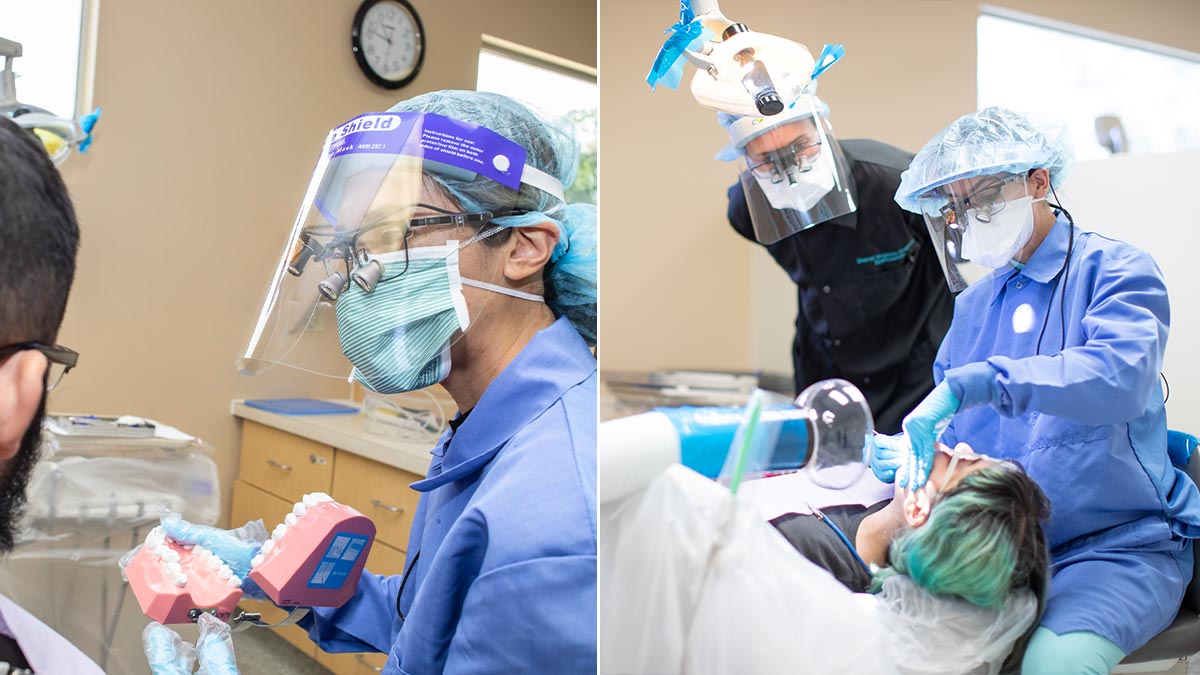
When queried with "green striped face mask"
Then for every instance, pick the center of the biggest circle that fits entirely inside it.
(398, 335)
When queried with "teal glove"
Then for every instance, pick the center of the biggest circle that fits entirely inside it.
(923, 426)
(235, 548)
(888, 454)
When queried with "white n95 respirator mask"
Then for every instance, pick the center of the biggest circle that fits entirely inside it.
(994, 241)
(810, 187)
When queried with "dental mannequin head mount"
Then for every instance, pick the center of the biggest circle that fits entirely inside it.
(738, 70)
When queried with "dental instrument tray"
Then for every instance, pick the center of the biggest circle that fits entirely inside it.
(113, 427)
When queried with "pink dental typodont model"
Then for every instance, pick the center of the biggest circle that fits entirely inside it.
(313, 559)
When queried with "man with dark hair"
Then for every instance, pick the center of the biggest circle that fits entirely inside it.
(38, 241)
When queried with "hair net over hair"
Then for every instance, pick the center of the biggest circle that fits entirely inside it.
(571, 279)
(991, 141)
(928, 633)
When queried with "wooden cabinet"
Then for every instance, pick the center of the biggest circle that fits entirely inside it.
(379, 492)
(278, 468)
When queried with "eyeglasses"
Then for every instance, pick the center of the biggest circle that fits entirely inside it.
(774, 163)
(346, 256)
(62, 359)
(985, 201)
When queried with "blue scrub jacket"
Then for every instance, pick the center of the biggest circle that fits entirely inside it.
(506, 530)
(1086, 421)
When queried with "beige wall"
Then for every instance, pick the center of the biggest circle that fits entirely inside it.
(213, 114)
(679, 287)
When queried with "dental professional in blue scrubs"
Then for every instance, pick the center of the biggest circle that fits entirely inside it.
(1052, 359)
(485, 282)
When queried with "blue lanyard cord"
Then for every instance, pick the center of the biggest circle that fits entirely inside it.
(838, 531)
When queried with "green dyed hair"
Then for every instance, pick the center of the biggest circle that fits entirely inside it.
(983, 540)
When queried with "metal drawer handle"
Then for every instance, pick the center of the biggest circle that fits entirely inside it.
(316, 459)
(378, 504)
(277, 465)
(367, 663)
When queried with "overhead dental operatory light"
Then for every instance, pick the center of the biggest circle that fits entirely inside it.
(59, 135)
(738, 70)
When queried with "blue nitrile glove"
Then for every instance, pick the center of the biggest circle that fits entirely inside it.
(889, 453)
(214, 647)
(166, 652)
(923, 426)
(235, 548)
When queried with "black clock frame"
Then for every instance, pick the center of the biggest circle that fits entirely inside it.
(361, 57)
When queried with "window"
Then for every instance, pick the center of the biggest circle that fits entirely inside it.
(53, 40)
(560, 89)
(1153, 90)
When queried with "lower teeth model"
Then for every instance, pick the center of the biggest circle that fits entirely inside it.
(313, 559)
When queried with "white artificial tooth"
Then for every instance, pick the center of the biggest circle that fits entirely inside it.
(214, 563)
(189, 546)
(256, 560)
(322, 497)
(280, 530)
(224, 572)
(161, 550)
(171, 556)
(174, 568)
(300, 509)
(309, 500)
(290, 519)
(267, 546)
(236, 582)
(181, 580)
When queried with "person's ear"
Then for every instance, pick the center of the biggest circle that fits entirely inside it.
(1039, 183)
(531, 251)
(917, 504)
(22, 385)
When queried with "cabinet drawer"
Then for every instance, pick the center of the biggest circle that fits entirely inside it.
(250, 503)
(383, 559)
(284, 464)
(380, 492)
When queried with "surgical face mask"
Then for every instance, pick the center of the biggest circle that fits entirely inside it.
(994, 241)
(398, 336)
(811, 186)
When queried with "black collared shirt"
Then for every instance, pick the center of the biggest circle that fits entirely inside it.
(874, 304)
(818, 542)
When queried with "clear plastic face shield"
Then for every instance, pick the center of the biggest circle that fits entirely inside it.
(794, 175)
(837, 427)
(371, 278)
(978, 224)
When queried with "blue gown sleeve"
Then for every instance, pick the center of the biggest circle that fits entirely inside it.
(366, 623)
(1106, 380)
(940, 364)
(535, 616)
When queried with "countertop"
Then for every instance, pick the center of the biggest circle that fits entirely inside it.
(344, 432)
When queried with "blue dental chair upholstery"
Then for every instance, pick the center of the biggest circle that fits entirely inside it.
(1182, 637)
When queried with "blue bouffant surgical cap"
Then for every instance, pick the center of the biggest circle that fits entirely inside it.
(571, 275)
(991, 141)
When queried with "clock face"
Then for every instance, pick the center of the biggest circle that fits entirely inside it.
(389, 42)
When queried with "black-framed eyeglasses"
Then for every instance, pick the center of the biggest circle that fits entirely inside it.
(62, 359)
(347, 259)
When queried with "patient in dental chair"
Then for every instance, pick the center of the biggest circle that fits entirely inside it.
(973, 532)
(960, 581)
